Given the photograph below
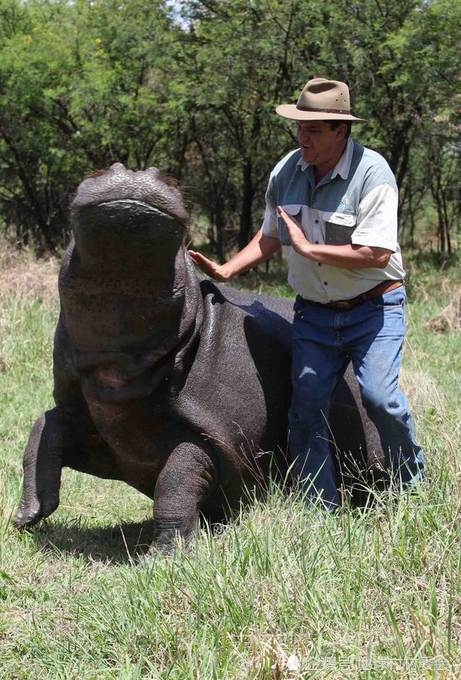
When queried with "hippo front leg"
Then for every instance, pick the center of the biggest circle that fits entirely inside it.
(43, 461)
(186, 480)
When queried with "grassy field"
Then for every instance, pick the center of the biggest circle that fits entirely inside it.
(370, 594)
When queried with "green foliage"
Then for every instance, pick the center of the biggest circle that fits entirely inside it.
(81, 85)
(239, 61)
(84, 84)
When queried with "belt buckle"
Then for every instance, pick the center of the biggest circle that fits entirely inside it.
(341, 305)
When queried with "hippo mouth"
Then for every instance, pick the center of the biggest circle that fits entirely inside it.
(124, 212)
(128, 203)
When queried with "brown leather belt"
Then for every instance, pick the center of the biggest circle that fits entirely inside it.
(345, 305)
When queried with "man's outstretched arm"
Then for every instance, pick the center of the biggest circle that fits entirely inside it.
(260, 249)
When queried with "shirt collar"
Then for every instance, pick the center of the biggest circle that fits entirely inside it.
(342, 167)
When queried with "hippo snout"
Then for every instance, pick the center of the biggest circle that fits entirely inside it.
(147, 187)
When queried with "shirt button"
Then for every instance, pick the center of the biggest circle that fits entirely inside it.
(325, 283)
(316, 221)
(320, 264)
(316, 241)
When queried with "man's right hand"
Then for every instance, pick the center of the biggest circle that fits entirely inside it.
(260, 249)
(218, 272)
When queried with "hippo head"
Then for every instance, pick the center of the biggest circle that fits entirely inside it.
(124, 279)
(129, 217)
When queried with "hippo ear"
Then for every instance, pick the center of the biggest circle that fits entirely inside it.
(152, 171)
(117, 169)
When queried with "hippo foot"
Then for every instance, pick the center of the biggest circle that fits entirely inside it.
(31, 513)
(170, 537)
(27, 517)
(158, 550)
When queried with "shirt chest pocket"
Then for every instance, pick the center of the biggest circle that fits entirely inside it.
(339, 228)
(296, 211)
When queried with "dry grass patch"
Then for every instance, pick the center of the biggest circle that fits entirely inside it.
(419, 388)
(449, 319)
(22, 276)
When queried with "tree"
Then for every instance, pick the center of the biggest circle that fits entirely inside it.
(34, 151)
(401, 59)
(240, 60)
(80, 87)
(87, 83)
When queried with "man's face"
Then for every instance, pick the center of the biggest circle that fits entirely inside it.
(319, 144)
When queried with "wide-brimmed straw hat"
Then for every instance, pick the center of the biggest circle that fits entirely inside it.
(321, 99)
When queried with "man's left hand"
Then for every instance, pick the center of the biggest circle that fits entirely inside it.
(347, 256)
(295, 232)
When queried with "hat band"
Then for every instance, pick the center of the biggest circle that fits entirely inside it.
(309, 108)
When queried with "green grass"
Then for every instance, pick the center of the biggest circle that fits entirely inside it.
(356, 591)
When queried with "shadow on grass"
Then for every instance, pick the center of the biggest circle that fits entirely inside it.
(122, 543)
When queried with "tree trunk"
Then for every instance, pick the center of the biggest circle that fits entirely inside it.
(246, 213)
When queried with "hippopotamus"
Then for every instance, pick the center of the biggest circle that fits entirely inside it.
(163, 379)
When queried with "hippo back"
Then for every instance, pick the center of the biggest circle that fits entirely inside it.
(355, 442)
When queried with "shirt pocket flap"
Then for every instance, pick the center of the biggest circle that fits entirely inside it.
(293, 208)
(341, 219)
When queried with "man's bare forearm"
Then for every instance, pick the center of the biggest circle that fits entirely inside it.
(346, 256)
(260, 249)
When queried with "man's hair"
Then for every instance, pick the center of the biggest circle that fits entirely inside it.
(334, 125)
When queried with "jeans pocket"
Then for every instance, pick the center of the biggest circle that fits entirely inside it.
(299, 307)
(394, 298)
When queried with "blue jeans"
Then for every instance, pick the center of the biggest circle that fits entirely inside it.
(324, 340)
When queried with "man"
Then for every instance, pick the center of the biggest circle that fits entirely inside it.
(332, 206)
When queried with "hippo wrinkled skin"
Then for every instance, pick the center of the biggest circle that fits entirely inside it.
(175, 385)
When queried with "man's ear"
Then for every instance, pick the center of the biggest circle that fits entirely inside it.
(341, 131)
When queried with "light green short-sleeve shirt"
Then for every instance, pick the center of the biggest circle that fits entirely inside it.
(355, 203)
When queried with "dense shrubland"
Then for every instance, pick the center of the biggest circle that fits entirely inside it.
(91, 82)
